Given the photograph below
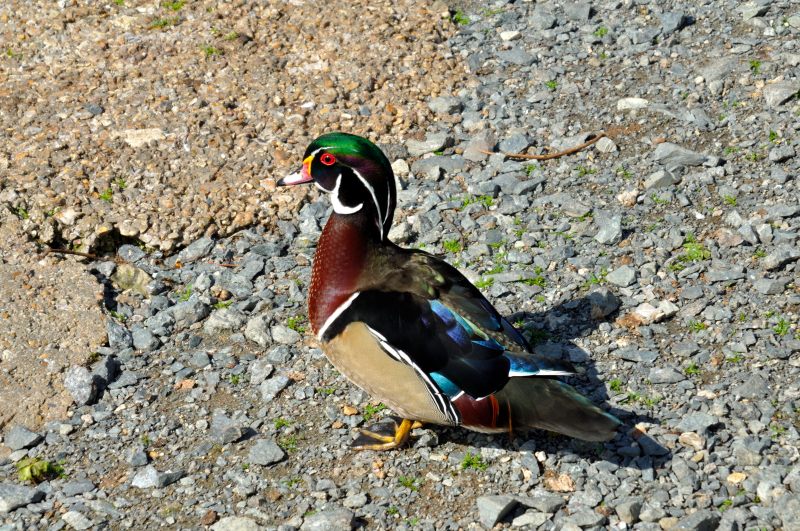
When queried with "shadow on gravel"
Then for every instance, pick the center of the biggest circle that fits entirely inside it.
(552, 333)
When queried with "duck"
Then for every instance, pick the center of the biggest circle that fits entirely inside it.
(410, 329)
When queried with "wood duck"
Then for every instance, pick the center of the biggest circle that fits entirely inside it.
(410, 329)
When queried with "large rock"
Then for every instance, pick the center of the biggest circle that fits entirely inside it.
(79, 382)
(492, 509)
(140, 137)
(703, 520)
(671, 155)
(433, 142)
(13, 496)
(265, 452)
(776, 94)
(19, 437)
(236, 523)
(339, 519)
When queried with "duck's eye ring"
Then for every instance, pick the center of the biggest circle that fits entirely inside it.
(327, 159)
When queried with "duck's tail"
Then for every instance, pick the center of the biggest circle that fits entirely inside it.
(538, 402)
(550, 404)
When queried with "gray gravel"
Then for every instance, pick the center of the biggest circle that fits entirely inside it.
(664, 266)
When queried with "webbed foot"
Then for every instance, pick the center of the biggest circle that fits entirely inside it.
(371, 440)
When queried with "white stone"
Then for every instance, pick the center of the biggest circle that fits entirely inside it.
(626, 104)
(236, 523)
(647, 313)
(77, 520)
(509, 35)
(628, 197)
(606, 145)
(140, 137)
(66, 216)
(400, 168)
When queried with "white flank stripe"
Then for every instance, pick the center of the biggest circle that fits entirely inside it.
(443, 403)
(374, 199)
(512, 374)
(377, 334)
(336, 313)
(341, 208)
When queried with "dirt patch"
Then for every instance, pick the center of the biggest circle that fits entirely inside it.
(167, 121)
(50, 319)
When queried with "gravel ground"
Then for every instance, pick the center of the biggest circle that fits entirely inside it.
(160, 120)
(662, 261)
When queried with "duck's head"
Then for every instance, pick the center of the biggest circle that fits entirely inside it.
(356, 174)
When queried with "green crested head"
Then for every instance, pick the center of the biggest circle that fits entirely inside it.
(352, 148)
(355, 173)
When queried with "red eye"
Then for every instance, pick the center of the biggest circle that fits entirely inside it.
(327, 159)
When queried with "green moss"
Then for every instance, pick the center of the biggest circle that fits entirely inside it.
(485, 200)
(161, 23)
(211, 51)
(484, 283)
(452, 246)
(288, 443)
(409, 482)
(296, 324)
(697, 326)
(372, 410)
(35, 470)
(781, 328)
(460, 18)
(474, 462)
(187, 292)
(692, 370)
(175, 5)
(107, 195)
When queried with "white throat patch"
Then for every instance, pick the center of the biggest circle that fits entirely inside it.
(338, 206)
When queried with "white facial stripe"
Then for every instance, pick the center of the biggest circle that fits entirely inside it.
(313, 153)
(338, 206)
(374, 198)
(336, 313)
(388, 203)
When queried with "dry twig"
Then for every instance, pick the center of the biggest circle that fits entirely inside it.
(570, 151)
(68, 251)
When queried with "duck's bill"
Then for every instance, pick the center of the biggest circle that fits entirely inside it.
(302, 176)
(298, 177)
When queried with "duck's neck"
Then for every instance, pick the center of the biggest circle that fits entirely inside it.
(341, 256)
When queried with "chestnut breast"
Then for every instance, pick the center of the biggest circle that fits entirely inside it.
(338, 264)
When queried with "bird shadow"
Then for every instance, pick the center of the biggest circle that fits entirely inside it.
(552, 334)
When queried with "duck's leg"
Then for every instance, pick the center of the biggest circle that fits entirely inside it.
(387, 442)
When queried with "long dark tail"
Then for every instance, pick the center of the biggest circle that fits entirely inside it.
(553, 405)
(542, 403)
